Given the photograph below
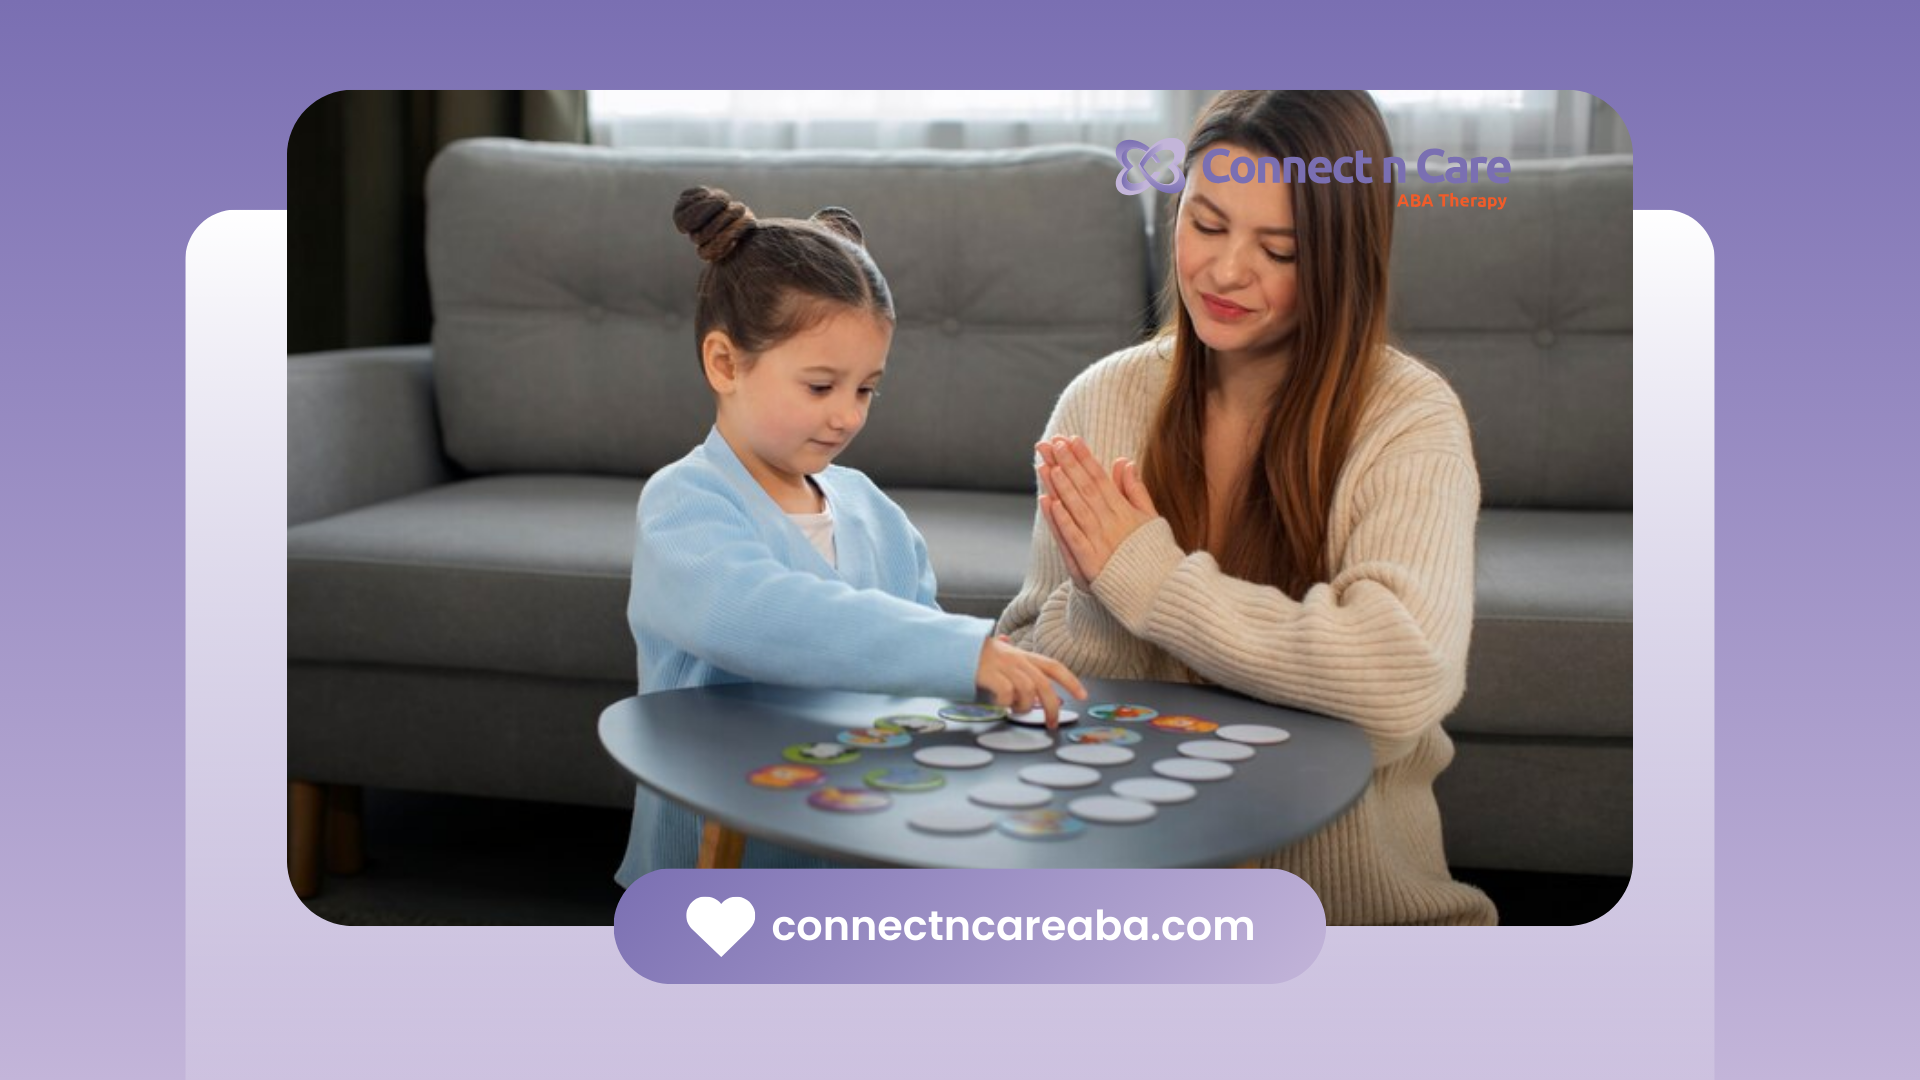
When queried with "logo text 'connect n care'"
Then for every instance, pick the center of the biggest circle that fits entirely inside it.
(1266, 170)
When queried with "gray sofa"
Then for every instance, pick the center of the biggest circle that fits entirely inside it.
(461, 515)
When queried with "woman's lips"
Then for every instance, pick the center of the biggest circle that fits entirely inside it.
(1223, 309)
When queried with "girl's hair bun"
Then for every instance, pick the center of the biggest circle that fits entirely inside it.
(840, 220)
(714, 220)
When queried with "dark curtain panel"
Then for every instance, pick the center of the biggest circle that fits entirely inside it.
(356, 212)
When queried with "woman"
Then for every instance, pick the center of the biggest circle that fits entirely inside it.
(1270, 498)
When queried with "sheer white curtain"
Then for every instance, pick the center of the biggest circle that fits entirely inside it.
(886, 119)
(1507, 123)
(1512, 124)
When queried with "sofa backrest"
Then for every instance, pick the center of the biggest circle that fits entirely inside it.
(563, 302)
(563, 299)
(1528, 310)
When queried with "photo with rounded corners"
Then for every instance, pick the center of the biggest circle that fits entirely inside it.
(703, 478)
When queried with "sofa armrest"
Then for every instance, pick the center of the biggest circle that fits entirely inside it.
(361, 427)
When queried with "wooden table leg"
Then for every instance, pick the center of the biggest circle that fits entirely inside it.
(343, 829)
(721, 847)
(306, 804)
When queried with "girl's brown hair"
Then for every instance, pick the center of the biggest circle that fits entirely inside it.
(767, 279)
(1345, 234)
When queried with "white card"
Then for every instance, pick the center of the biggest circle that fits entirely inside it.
(1094, 754)
(1108, 810)
(1186, 768)
(1060, 776)
(1215, 750)
(1038, 717)
(952, 757)
(952, 820)
(1155, 790)
(1011, 795)
(1255, 734)
(1015, 741)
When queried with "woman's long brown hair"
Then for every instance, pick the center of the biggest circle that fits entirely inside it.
(1345, 235)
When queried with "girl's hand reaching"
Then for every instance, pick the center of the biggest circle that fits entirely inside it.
(1019, 680)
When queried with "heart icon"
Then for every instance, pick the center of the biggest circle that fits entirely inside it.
(720, 925)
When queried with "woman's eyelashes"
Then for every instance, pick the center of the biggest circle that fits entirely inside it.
(1274, 255)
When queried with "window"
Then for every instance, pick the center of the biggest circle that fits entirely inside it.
(929, 105)
(1509, 123)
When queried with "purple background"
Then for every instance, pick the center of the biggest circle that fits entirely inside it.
(128, 128)
(1288, 926)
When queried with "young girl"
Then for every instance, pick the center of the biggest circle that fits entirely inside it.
(1271, 498)
(757, 558)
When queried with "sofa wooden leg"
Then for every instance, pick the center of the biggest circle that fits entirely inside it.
(306, 814)
(721, 847)
(343, 829)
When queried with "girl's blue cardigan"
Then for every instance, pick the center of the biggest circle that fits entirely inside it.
(727, 589)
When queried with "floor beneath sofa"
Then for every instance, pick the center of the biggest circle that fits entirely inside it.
(449, 860)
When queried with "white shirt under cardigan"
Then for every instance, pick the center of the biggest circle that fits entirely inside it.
(727, 588)
(818, 529)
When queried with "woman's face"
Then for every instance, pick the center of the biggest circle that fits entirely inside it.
(1234, 253)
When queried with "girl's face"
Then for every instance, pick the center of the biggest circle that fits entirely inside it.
(1234, 254)
(790, 413)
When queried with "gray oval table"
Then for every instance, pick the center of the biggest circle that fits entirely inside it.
(696, 747)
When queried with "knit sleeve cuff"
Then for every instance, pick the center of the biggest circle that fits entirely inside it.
(1129, 585)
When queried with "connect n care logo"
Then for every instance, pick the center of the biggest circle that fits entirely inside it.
(1219, 165)
(1145, 166)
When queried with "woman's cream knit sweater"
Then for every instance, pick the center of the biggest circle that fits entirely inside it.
(1383, 644)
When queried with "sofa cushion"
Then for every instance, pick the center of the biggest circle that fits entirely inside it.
(979, 542)
(1549, 805)
(481, 733)
(1528, 311)
(1552, 651)
(515, 574)
(563, 299)
(529, 575)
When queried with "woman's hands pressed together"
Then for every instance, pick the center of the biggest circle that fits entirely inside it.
(1091, 510)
